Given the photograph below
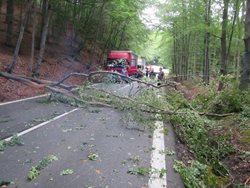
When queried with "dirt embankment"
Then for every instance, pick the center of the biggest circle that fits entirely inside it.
(57, 64)
(61, 58)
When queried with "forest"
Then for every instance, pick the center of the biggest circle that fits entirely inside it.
(204, 43)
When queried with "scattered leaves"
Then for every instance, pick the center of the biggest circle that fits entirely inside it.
(167, 152)
(5, 183)
(35, 170)
(33, 173)
(66, 172)
(92, 156)
(14, 141)
(139, 171)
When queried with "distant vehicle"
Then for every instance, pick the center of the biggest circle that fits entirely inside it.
(141, 65)
(123, 61)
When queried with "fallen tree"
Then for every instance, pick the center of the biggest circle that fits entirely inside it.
(68, 90)
(191, 126)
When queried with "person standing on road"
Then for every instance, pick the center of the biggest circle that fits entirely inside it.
(161, 75)
(152, 74)
(147, 72)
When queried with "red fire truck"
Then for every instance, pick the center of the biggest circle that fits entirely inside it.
(124, 62)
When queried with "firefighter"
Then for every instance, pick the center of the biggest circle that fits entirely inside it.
(152, 74)
(161, 75)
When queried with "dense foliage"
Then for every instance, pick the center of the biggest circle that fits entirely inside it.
(205, 136)
(196, 35)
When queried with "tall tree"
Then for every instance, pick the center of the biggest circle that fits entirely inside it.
(223, 68)
(1, 3)
(244, 80)
(9, 21)
(43, 17)
(206, 65)
(20, 37)
(43, 39)
(30, 67)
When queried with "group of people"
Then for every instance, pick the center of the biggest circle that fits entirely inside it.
(151, 74)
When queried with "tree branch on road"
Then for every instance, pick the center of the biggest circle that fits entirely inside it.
(67, 90)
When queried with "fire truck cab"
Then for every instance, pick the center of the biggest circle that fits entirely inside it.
(122, 62)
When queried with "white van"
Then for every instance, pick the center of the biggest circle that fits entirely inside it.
(141, 65)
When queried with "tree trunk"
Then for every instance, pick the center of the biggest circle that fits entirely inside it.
(43, 16)
(33, 39)
(9, 21)
(206, 65)
(20, 37)
(1, 3)
(236, 12)
(223, 68)
(246, 58)
(176, 55)
(240, 33)
(43, 40)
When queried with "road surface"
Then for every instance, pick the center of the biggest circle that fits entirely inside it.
(94, 144)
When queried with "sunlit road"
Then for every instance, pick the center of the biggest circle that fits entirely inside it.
(122, 155)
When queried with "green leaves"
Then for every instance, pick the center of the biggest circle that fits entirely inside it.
(14, 141)
(35, 170)
(139, 171)
(198, 175)
(92, 156)
(142, 171)
(66, 172)
(33, 173)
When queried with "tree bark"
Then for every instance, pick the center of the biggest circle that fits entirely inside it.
(33, 39)
(43, 7)
(1, 3)
(9, 21)
(246, 58)
(236, 12)
(223, 68)
(20, 38)
(206, 65)
(43, 39)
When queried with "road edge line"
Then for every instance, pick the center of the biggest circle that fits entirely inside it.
(158, 160)
(21, 100)
(41, 124)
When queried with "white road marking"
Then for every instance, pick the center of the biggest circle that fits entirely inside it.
(158, 161)
(20, 100)
(42, 124)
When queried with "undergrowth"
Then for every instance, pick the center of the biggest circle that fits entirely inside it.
(197, 132)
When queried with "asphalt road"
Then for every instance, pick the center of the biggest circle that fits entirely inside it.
(93, 144)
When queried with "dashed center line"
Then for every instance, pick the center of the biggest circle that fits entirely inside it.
(158, 160)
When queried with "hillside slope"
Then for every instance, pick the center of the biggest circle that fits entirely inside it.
(60, 59)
